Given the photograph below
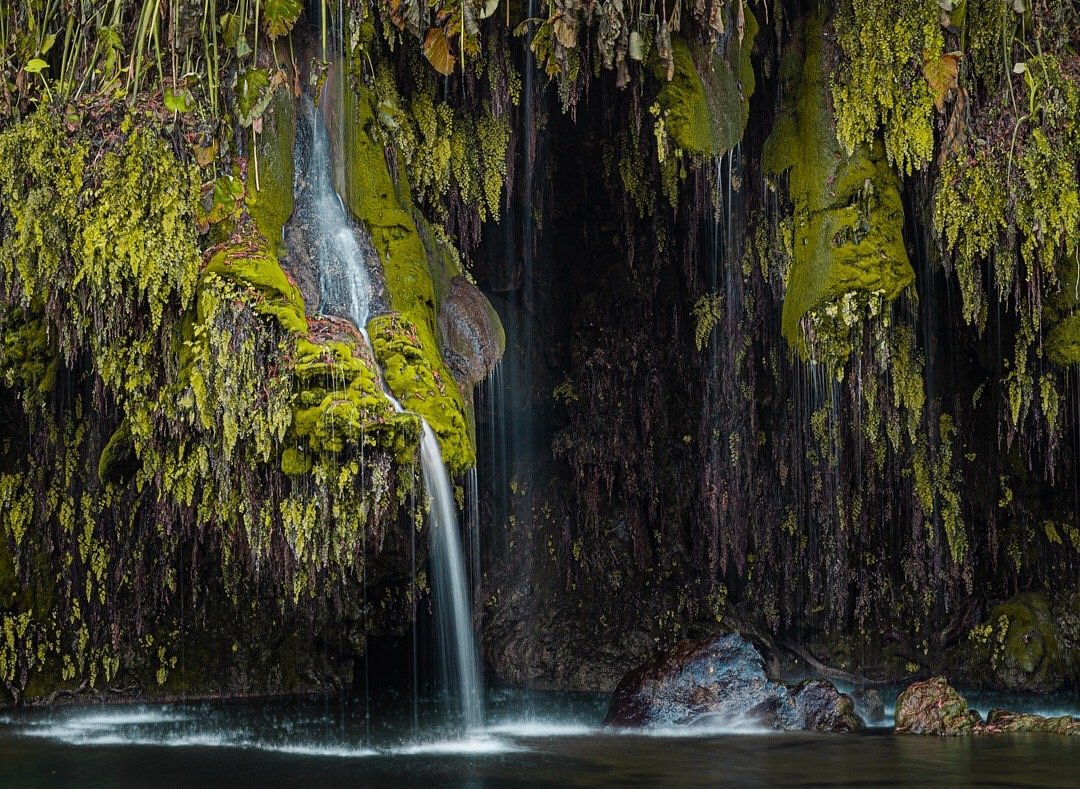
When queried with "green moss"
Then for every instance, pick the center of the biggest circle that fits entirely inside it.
(880, 85)
(248, 259)
(117, 455)
(415, 374)
(705, 108)
(339, 404)
(1019, 644)
(271, 204)
(1063, 341)
(9, 581)
(848, 216)
(29, 361)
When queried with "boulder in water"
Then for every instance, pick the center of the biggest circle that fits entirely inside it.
(821, 707)
(1006, 721)
(722, 681)
(933, 706)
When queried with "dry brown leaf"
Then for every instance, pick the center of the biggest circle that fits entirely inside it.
(942, 74)
(437, 51)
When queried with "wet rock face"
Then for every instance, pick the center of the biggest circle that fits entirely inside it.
(821, 707)
(722, 681)
(868, 705)
(472, 336)
(935, 707)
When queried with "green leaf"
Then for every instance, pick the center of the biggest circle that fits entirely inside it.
(35, 66)
(179, 100)
(253, 95)
(47, 44)
(488, 8)
(279, 16)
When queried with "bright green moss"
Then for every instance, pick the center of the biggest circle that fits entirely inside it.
(416, 375)
(848, 215)
(248, 259)
(340, 404)
(41, 176)
(29, 361)
(406, 348)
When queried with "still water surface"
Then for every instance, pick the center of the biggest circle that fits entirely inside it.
(531, 740)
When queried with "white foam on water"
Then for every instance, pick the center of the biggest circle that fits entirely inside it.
(539, 728)
(469, 746)
(110, 719)
(329, 751)
(696, 732)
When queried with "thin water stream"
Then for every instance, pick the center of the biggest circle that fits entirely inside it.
(346, 291)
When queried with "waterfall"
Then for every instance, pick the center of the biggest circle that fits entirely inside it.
(346, 290)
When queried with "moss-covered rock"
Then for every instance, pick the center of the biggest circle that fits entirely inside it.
(1018, 645)
(340, 404)
(414, 372)
(248, 258)
(848, 223)
(405, 344)
(269, 194)
(1006, 721)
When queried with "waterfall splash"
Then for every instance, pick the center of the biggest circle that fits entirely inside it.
(346, 290)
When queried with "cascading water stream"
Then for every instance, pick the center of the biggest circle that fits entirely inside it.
(346, 290)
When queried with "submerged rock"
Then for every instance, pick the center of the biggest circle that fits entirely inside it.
(933, 706)
(868, 705)
(1004, 720)
(722, 681)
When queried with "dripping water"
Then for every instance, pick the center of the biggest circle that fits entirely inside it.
(346, 291)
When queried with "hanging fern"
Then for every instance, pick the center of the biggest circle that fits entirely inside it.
(706, 314)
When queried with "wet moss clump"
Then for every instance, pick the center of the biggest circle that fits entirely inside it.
(1019, 644)
(415, 374)
(339, 403)
(706, 103)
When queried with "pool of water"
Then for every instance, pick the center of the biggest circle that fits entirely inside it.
(529, 740)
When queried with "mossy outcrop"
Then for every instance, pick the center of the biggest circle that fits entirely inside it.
(933, 706)
(419, 379)
(1019, 645)
(848, 221)
(405, 343)
(269, 193)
